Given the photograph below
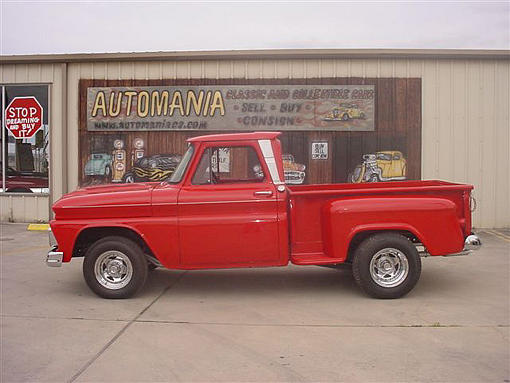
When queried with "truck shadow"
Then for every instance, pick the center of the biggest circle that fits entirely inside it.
(256, 281)
(292, 280)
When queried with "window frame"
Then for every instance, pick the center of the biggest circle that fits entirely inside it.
(5, 135)
(225, 144)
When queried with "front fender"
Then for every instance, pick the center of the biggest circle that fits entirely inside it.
(159, 234)
(433, 221)
(67, 233)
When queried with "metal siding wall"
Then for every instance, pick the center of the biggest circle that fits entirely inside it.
(58, 147)
(23, 208)
(465, 111)
(502, 145)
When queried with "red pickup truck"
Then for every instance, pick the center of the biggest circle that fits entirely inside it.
(226, 206)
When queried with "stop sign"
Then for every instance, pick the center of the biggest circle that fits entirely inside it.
(23, 117)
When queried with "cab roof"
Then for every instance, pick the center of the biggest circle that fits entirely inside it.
(236, 137)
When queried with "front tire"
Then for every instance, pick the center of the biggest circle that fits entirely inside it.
(386, 266)
(129, 178)
(115, 268)
(374, 178)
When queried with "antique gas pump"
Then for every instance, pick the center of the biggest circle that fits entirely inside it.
(138, 150)
(119, 161)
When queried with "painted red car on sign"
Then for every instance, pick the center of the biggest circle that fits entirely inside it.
(217, 212)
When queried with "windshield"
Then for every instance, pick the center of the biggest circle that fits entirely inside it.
(181, 168)
(384, 156)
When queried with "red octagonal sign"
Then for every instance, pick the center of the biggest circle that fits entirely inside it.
(23, 117)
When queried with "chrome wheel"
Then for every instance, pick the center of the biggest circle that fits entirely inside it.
(389, 267)
(113, 269)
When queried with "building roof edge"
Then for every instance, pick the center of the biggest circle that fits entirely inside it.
(260, 54)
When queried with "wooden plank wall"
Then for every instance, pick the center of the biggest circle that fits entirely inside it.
(397, 127)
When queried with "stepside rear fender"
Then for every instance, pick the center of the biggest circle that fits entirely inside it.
(432, 220)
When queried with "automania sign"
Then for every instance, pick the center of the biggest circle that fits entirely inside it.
(232, 107)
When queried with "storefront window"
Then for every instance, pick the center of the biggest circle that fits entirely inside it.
(25, 139)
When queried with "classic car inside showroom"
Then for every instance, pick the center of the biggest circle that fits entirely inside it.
(346, 116)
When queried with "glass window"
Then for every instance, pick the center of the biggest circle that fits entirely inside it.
(202, 175)
(384, 156)
(183, 165)
(25, 161)
(236, 164)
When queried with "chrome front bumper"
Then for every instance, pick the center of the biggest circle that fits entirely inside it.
(54, 258)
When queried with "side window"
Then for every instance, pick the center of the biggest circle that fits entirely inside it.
(202, 175)
(223, 165)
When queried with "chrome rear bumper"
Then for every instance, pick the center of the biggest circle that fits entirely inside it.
(471, 243)
(54, 258)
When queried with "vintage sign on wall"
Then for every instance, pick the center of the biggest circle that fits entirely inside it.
(320, 150)
(232, 107)
(333, 129)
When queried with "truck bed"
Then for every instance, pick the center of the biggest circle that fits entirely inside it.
(310, 230)
(376, 187)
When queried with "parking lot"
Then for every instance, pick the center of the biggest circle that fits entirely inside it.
(276, 324)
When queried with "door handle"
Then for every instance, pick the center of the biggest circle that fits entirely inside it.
(263, 192)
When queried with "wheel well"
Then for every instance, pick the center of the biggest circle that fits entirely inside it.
(360, 237)
(88, 236)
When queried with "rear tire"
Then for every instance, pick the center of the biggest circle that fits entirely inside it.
(115, 268)
(107, 172)
(386, 265)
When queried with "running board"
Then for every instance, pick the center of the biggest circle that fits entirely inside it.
(315, 259)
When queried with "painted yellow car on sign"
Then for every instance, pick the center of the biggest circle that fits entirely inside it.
(345, 112)
(381, 166)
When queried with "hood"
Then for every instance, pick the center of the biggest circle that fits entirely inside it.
(106, 201)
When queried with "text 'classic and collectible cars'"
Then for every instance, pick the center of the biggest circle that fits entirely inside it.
(228, 190)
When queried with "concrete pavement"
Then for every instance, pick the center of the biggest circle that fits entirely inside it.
(258, 325)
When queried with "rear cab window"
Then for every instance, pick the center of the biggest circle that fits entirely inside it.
(228, 165)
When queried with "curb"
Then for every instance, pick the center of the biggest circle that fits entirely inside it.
(38, 226)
